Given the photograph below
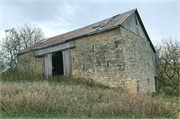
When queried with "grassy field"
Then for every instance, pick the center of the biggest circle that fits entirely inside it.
(64, 97)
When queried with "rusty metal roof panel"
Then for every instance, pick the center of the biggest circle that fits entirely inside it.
(120, 18)
(112, 21)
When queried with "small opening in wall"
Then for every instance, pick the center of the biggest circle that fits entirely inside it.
(136, 21)
(107, 63)
(83, 67)
(116, 44)
(138, 87)
(93, 48)
(148, 80)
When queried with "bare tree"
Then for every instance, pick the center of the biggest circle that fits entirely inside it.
(16, 40)
(11, 45)
(168, 59)
(30, 35)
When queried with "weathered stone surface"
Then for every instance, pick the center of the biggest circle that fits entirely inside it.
(100, 57)
(139, 63)
(116, 58)
(27, 62)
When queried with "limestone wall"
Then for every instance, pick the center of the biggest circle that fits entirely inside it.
(139, 63)
(118, 58)
(100, 57)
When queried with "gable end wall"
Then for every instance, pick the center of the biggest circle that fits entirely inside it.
(132, 23)
(138, 62)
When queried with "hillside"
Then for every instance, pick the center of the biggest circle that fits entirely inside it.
(63, 97)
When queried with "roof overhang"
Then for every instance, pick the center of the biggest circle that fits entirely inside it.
(73, 38)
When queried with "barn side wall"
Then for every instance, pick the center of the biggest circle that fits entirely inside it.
(26, 62)
(139, 63)
(100, 57)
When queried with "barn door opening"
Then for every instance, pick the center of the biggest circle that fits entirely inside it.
(57, 63)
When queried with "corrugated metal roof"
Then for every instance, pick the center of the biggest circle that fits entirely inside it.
(104, 24)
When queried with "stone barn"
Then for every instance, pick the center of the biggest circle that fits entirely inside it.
(116, 52)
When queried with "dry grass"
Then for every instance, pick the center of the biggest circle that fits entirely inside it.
(87, 102)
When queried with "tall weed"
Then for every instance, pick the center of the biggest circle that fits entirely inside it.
(44, 97)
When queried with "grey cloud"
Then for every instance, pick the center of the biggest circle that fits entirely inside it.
(64, 16)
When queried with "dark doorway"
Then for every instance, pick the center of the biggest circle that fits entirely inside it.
(57, 63)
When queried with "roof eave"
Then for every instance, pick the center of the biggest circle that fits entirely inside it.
(72, 38)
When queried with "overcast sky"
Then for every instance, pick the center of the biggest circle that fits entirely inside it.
(160, 18)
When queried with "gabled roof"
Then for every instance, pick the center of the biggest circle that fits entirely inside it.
(107, 24)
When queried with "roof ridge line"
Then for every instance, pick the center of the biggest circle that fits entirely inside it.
(129, 14)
